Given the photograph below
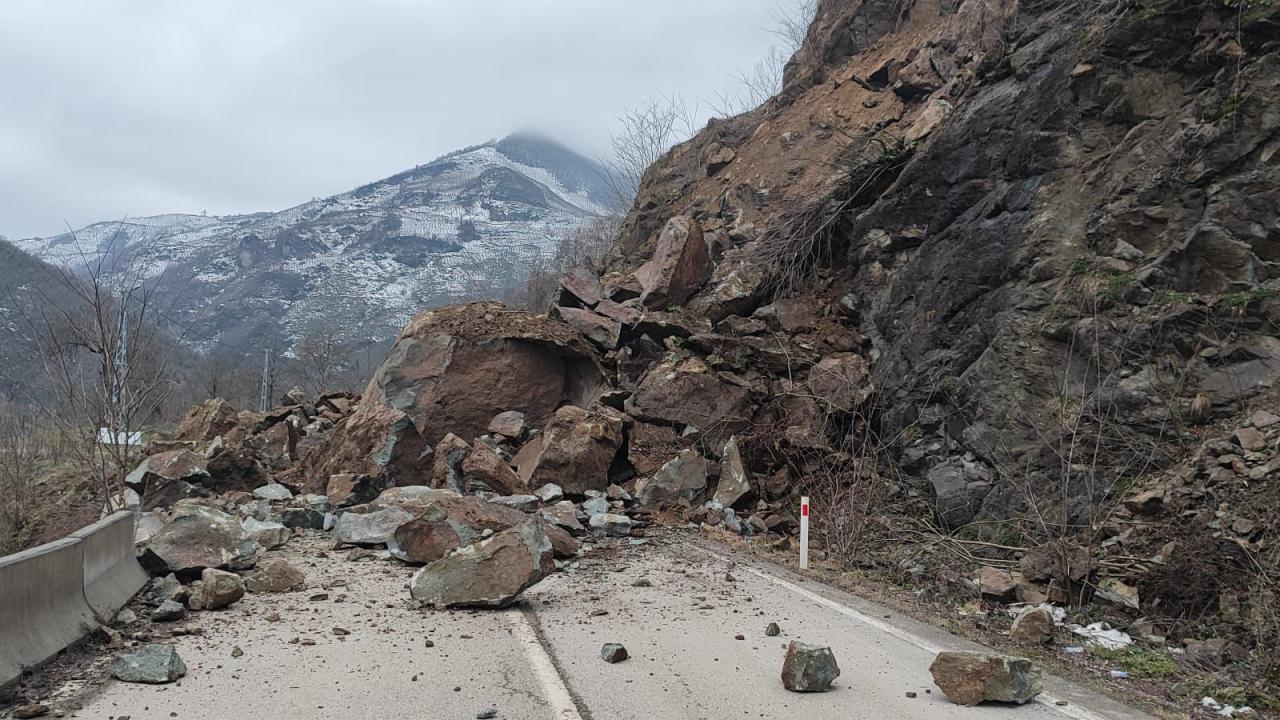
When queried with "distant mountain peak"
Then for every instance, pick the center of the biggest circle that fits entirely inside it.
(466, 224)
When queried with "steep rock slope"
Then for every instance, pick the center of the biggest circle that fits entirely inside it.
(465, 224)
(1054, 227)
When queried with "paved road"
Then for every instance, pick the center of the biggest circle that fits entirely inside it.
(542, 661)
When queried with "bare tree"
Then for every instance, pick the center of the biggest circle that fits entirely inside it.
(755, 86)
(645, 133)
(107, 360)
(21, 449)
(322, 354)
(791, 21)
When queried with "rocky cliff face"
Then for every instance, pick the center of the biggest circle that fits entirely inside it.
(1050, 229)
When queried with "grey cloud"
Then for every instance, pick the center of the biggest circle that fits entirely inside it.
(115, 107)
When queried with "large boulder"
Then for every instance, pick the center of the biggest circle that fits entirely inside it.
(217, 589)
(165, 478)
(451, 370)
(446, 467)
(444, 522)
(490, 573)
(809, 668)
(270, 535)
(679, 482)
(973, 678)
(348, 490)
(198, 537)
(690, 393)
(371, 527)
(236, 469)
(151, 664)
(839, 381)
(681, 265)
(207, 421)
(650, 446)
(574, 451)
(484, 469)
(275, 575)
(735, 485)
(599, 329)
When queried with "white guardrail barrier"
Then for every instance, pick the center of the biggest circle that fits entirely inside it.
(53, 595)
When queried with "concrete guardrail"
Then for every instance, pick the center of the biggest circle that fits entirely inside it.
(112, 575)
(53, 595)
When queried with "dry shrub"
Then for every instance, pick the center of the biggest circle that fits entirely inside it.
(21, 451)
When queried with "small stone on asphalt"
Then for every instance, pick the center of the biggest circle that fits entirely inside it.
(613, 653)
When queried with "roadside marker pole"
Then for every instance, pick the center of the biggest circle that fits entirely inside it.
(804, 533)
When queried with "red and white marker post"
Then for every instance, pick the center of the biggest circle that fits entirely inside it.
(804, 533)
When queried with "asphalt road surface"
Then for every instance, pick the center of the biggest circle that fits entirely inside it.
(542, 659)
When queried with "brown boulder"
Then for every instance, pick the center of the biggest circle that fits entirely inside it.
(236, 469)
(443, 522)
(509, 424)
(734, 485)
(563, 545)
(681, 265)
(996, 583)
(446, 468)
(688, 392)
(679, 482)
(1034, 625)
(563, 514)
(207, 421)
(490, 573)
(1060, 560)
(428, 386)
(973, 678)
(582, 285)
(650, 446)
(625, 314)
(275, 575)
(425, 539)
(839, 381)
(163, 479)
(791, 316)
(599, 329)
(574, 451)
(483, 467)
(347, 490)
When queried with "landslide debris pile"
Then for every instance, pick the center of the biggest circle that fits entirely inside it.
(488, 445)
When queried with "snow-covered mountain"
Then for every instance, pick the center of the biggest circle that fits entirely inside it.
(467, 224)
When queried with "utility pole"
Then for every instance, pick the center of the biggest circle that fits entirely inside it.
(264, 396)
(120, 372)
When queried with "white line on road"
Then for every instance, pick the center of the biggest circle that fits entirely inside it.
(1050, 701)
(554, 691)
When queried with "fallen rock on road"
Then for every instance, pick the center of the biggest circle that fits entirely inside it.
(613, 653)
(490, 573)
(974, 678)
(809, 668)
(198, 537)
(152, 664)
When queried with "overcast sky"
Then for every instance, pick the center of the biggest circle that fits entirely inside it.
(112, 108)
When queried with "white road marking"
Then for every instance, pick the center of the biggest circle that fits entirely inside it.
(1046, 699)
(554, 691)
